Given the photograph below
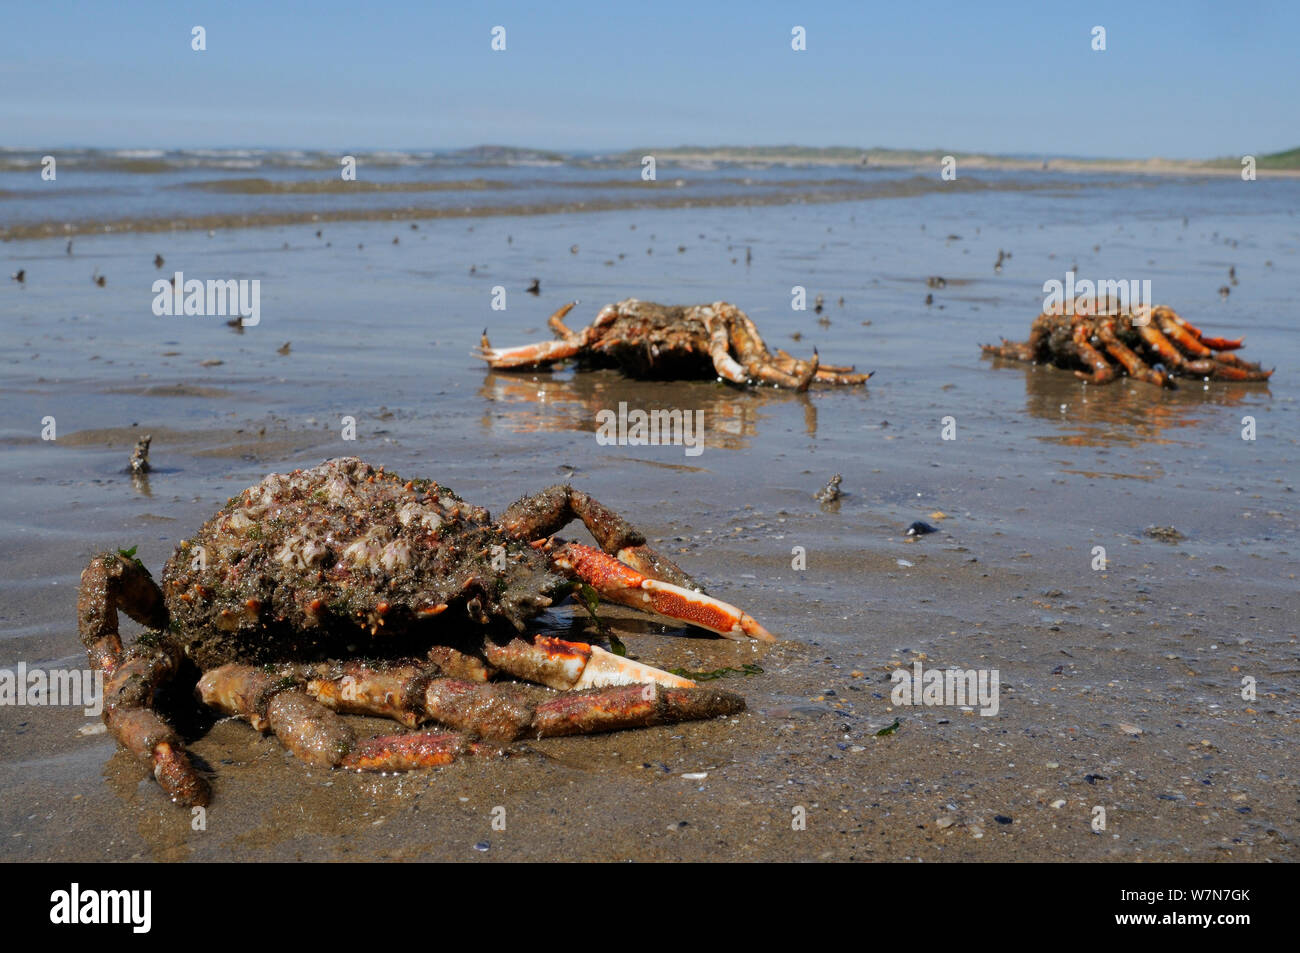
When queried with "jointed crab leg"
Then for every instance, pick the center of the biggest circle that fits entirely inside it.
(754, 356)
(826, 373)
(1222, 367)
(498, 713)
(535, 355)
(1135, 366)
(638, 577)
(111, 582)
(620, 583)
(526, 355)
(544, 514)
(720, 349)
(1218, 344)
(313, 731)
(543, 352)
(1102, 372)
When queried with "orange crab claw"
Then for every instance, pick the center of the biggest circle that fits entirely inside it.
(1222, 344)
(564, 665)
(623, 584)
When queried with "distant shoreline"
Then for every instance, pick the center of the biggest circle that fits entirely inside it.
(263, 173)
(905, 159)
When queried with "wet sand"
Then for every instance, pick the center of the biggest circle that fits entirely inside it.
(655, 195)
(1119, 688)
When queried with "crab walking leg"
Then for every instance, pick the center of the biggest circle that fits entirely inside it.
(621, 583)
(1035, 349)
(357, 688)
(1136, 367)
(1218, 344)
(556, 322)
(456, 664)
(1226, 366)
(630, 706)
(497, 713)
(546, 513)
(804, 371)
(826, 373)
(571, 343)
(108, 583)
(754, 356)
(1181, 336)
(799, 380)
(1011, 350)
(1162, 346)
(413, 752)
(1237, 370)
(525, 355)
(720, 348)
(129, 715)
(315, 733)
(133, 676)
(1102, 372)
(504, 712)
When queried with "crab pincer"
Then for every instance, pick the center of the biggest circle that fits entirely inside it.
(620, 583)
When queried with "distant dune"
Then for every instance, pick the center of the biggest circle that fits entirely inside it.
(1279, 162)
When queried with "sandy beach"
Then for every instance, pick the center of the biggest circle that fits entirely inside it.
(1119, 689)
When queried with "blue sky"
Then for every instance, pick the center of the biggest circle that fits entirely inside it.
(1182, 80)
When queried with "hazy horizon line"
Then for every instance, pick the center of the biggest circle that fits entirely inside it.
(588, 150)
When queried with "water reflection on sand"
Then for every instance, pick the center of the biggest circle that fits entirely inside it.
(536, 402)
(1124, 413)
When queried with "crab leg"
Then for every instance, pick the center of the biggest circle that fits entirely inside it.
(571, 343)
(620, 583)
(1028, 351)
(356, 688)
(720, 349)
(1181, 336)
(630, 706)
(1102, 372)
(1219, 344)
(639, 576)
(1012, 350)
(109, 582)
(544, 514)
(754, 355)
(556, 322)
(1226, 367)
(314, 732)
(826, 373)
(498, 713)
(411, 752)
(526, 355)
(1135, 366)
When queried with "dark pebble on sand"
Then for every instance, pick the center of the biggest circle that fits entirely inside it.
(920, 528)
(1002, 819)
